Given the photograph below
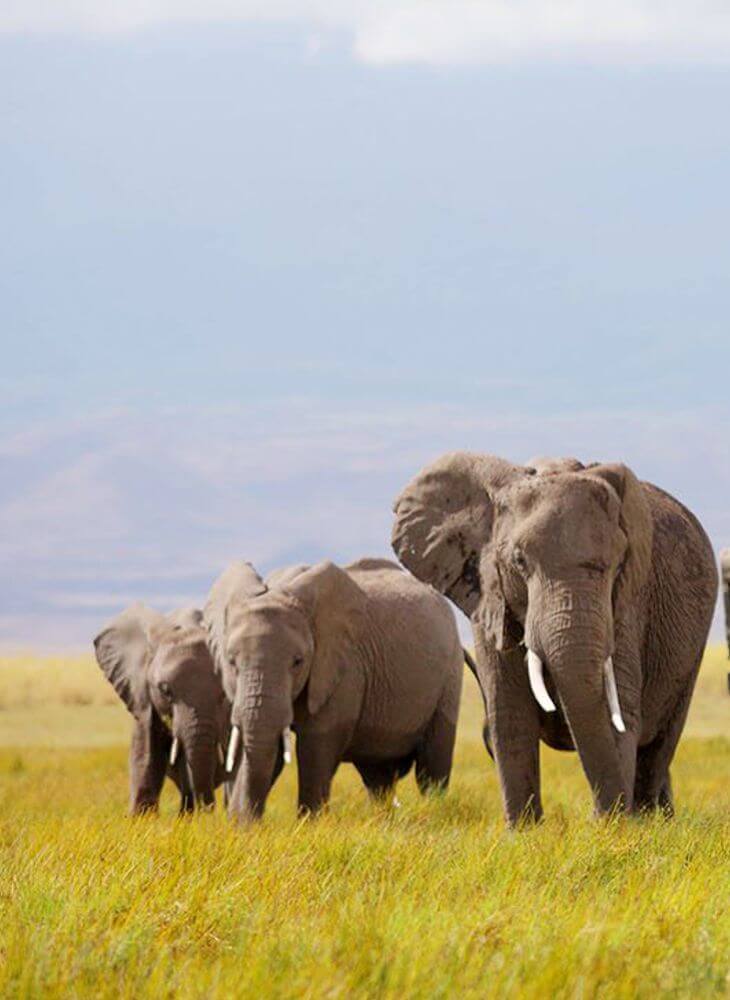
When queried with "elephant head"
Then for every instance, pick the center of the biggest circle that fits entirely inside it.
(162, 670)
(549, 555)
(276, 646)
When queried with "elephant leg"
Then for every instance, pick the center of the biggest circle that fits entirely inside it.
(653, 788)
(513, 726)
(318, 757)
(379, 777)
(435, 753)
(147, 764)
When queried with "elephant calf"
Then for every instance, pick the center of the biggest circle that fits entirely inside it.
(162, 670)
(363, 662)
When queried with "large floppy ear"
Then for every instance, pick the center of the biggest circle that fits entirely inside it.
(186, 618)
(183, 625)
(443, 523)
(636, 523)
(493, 614)
(239, 582)
(335, 607)
(124, 650)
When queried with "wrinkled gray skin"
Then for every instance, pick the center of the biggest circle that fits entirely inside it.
(162, 670)
(364, 663)
(725, 567)
(577, 564)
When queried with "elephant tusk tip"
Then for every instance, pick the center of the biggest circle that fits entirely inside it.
(232, 749)
(286, 744)
(618, 723)
(537, 682)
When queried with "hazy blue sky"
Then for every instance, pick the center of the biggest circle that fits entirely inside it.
(254, 273)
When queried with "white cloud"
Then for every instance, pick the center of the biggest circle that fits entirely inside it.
(429, 31)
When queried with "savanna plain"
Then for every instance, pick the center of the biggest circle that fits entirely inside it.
(432, 899)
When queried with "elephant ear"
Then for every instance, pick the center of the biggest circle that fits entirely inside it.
(335, 607)
(637, 524)
(186, 618)
(123, 651)
(183, 625)
(443, 524)
(239, 582)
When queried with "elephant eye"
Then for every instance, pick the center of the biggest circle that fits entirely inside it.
(298, 661)
(519, 561)
(165, 689)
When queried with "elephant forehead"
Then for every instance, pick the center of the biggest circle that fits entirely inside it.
(263, 631)
(176, 659)
(562, 495)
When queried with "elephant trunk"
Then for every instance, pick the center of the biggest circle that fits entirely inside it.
(569, 630)
(198, 737)
(261, 716)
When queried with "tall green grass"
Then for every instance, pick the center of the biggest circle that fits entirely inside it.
(429, 900)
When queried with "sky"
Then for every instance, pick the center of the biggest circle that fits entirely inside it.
(262, 261)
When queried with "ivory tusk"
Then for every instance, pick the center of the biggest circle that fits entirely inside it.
(286, 740)
(220, 753)
(174, 751)
(232, 748)
(614, 705)
(537, 682)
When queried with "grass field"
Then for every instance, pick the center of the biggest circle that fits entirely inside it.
(430, 900)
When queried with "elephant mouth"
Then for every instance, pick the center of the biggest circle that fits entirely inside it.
(546, 703)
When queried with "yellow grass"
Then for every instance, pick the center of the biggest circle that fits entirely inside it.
(429, 900)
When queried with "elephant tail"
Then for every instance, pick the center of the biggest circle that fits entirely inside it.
(469, 660)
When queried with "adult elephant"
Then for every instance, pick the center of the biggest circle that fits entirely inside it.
(606, 583)
(725, 565)
(363, 662)
(162, 670)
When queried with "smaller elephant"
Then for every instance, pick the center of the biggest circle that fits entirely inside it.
(162, 670)
(363, 662)
(725, 566)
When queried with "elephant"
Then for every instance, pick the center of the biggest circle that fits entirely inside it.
(362, 661)
(162, 670)
(590, 596)
(725, 566)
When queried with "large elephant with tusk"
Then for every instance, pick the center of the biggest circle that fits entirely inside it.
(162, 670)
(725, 568)
(590, 596)
(362, 661)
